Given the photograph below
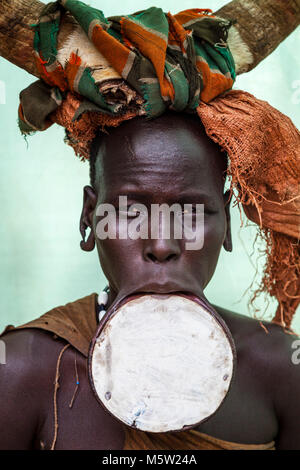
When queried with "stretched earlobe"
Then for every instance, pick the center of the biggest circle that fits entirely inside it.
(89, 244)
(227, 244)
(86, 219)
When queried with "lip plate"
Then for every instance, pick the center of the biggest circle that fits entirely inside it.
(204, 304)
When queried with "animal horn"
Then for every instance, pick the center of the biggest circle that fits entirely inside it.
(261, 25)
(16, 33)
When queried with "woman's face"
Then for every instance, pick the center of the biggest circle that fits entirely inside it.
(165, 161)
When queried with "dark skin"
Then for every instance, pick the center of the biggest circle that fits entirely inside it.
(166, 160)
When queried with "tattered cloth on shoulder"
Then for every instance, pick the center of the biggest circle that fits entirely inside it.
(113, 69)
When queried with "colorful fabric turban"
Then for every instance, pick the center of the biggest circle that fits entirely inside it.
(112, 69)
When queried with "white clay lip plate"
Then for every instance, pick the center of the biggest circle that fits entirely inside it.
(161, 364)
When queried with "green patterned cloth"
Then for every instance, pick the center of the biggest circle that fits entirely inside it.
(170, 61)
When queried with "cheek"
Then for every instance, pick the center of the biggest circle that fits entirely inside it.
(214, 230)
(211, 232)
(119, 259)
(214, 238)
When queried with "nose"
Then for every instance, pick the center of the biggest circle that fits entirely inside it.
(162, 250)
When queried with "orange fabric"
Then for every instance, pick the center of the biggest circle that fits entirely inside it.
(151, 46)
(193, 13)
(75, 322)
(214, 82)
(283, 217)
(267, 176)
(184, 440)
(115, 52)
(177, 33)
(55, 77)
(82, 131)
(72, 69)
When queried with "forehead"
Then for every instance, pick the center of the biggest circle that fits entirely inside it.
(167, 156)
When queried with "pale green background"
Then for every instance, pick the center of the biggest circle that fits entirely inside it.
(42, 265)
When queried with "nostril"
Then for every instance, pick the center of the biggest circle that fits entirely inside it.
(171, 256)
(161, 250)
(152, 257)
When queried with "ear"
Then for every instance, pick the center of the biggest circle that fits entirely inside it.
(228, 241)
(86, 219)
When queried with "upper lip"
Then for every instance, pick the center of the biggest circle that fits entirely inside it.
(155, 288)
(164, 288)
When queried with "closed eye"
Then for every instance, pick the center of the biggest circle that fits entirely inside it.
(131, 212)
(193, 210)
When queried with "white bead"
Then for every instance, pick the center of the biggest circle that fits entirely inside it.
(102, 298)
(101, 314)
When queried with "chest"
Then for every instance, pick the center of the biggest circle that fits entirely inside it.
(74, 419)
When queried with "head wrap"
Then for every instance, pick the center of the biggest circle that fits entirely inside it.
(113, 69)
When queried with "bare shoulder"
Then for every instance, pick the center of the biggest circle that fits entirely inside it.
(24, 383)
(27, 350)
(262, 341)
(272, 357)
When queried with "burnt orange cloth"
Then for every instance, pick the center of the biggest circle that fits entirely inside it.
(263, 147)
(184, 440)
(75, 322)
